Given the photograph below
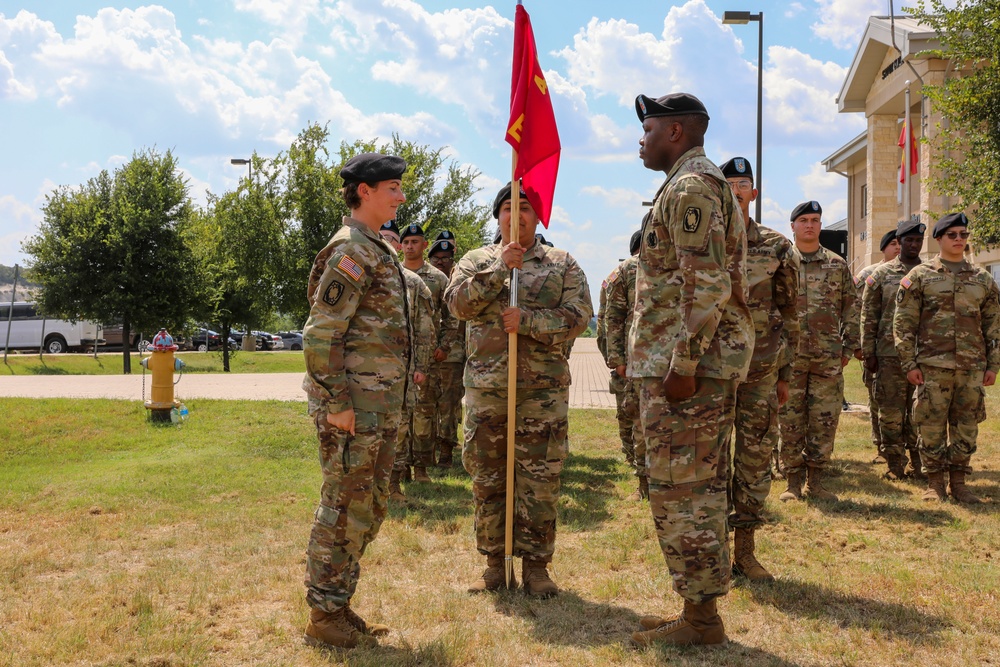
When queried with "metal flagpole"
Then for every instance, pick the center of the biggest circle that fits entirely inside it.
(907, 148)
(508, 538)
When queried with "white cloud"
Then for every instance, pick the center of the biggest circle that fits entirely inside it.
(829, 189)
(291, 18)
(794, 9)
(20, 221)
(842, 22)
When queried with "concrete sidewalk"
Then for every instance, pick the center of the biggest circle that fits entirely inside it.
(589, 389)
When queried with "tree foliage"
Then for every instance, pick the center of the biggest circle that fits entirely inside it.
(968, 144)
(113, 249)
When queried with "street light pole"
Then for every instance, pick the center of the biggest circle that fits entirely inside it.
(244, 161)
(742, 18)
(249, 340)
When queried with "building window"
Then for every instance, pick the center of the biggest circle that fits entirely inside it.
(864, 200)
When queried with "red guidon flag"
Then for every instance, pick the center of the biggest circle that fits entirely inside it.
(914, 155)
(531, 130)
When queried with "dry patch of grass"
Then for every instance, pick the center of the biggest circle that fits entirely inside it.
(127, 544)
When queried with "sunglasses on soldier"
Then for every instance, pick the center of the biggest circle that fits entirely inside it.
(956, 235)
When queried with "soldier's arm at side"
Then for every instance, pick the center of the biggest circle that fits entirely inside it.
(990, 312)
(424, 330)
(707, 285)
(566, 321)
(447, 326)
(472, 290)
(849, 321)
(602, 326)
(335, 303)
(616, 321)
(906, 322)
(871, 314)
(785, 291)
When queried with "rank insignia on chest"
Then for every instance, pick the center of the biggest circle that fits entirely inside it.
(351, 268)
(692, 218)
(870, 280)
(905, 283)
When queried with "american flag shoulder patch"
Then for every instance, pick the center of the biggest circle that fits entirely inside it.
(351, 268)
(856, 281)
(870, 280)
(905, 282)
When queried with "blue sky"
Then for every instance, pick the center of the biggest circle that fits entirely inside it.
(83, 85)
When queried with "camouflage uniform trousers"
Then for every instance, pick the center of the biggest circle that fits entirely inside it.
(687, 454)
(894, 396)
(756, 427)
(629, 429)
(352, 505)
(403, 458)
(541, 449)
(873, 408)
(415, 446)
(947, 409)
(810, 417)
(450, 408)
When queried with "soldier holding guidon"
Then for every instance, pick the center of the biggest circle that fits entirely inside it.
(553, 309)
(947, 332)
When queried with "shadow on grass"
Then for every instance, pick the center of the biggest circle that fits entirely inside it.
(568, 619)
(447, 498)
(732, 654)
(433, 653)
(589, 485)
(807, 600)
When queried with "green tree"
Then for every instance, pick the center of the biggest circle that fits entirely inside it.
(239, 240)
(968, 143)
(113, 248)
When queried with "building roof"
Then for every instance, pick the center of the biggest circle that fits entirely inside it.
(911, 38)
(840, 225)
(853, 152)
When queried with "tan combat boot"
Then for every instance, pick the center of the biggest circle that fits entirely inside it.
(744, 561)
(699, 624)
(363, 626)
(794, 490)
(642, 493)
(959, 491)
(420, 474)
(814, 486)
(897, 467)
(535, 574)
(445, 458)
(333, 630)
(395, 492)
(493, 579)
(935, 488)
(914, 467)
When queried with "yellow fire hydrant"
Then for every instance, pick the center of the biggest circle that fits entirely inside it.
(162, 364)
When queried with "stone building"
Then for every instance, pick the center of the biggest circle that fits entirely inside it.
(887, 62)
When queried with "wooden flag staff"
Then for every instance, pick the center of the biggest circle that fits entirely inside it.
(515, 226)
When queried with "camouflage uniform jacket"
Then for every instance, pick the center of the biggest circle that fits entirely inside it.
(827, 305)
(691, 313)
(878, 305)
(859, 280)
(357, 338)
(555, 308)
(773, 287)
(618, 292)
(445, 325)
(947, 320)
(422, 317)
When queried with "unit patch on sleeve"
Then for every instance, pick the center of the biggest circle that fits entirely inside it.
(333, 293)
(692, 218)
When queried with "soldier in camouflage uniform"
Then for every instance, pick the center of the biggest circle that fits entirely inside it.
(553, 309)
(422, 318)
(613, 319)
(889, 246)
(424, 426)
(773, 285)
(829, 335)
(892, 393)
(357, 348)
(451, 366)
(947, 328)
(689, 346)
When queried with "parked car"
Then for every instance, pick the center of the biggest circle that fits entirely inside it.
(205, 340)
(293, 339)
(269, 341)
(27, 328)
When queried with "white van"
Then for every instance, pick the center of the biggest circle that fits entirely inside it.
(27, 328)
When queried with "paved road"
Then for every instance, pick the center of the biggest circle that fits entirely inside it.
(589, 389)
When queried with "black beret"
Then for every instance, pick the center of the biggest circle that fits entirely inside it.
(675, 104)
(910, 227)
(373, 168)
(949, 221)
(887, 238)
(501, 197)
(442, 245)
(391, 227)
(411, 230)
(635, 242)
(541, 239)
(498, 237)
(736, 167)
(806, 207)
(444, 235)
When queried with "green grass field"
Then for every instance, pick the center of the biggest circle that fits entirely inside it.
(111, 363)
(124, 543)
